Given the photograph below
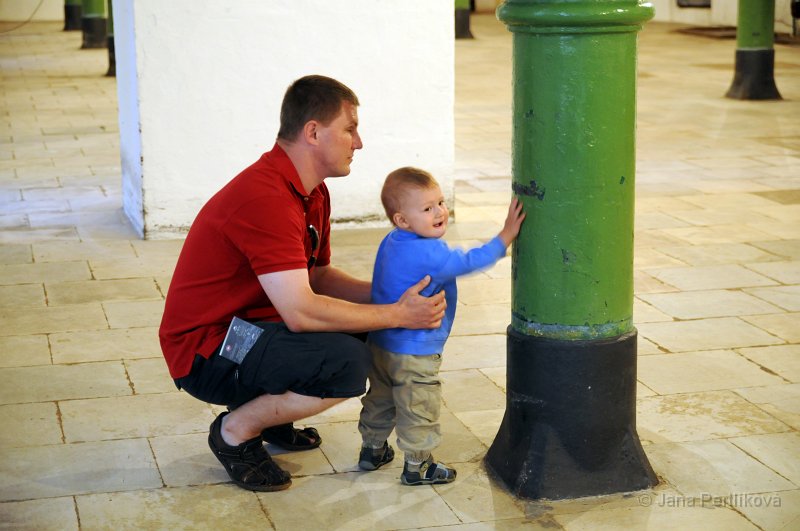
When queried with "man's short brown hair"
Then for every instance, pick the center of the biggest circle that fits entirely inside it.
(312, 98)
(400, 181)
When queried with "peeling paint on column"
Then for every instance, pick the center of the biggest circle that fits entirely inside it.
(531, 189)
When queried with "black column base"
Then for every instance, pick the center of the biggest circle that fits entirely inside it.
(112, 59)
(570, 424)
(462, 24)
(72, 17)
(754, 76)
(94, 32)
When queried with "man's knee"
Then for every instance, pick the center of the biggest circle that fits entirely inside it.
(356, 354)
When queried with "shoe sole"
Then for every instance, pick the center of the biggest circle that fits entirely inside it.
(369, 466)
(426, 481)
(264, 488)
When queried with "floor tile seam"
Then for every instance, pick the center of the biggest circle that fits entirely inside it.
(691, 293)
(751, 266)
(54, 365)
(761, 365)
(773, 303)
(734, 350)
(714, 438)
(685, 289)
(755, 458)
(665, 350)
(775, 309)
(731, 440)
(786, 382)
(113, 300)
(686, 493)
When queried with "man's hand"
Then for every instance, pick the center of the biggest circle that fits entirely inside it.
(513, 222)
(417, 311)
(305, 311)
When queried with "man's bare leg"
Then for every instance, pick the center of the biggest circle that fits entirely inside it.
(247, 421)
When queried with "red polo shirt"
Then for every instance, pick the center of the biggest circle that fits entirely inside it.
(256, 224)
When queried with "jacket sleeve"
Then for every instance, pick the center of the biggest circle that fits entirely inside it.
(459, 262)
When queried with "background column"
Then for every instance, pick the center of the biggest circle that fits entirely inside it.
(93, 23)
(112, 62)
(73, 10)
(755, 55)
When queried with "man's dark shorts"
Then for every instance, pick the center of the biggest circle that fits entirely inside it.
(326, 365)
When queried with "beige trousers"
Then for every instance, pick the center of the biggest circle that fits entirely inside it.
(405, 394)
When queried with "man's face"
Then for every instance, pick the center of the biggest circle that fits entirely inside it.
(338, 141)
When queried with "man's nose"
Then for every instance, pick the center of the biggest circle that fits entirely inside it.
(357, 144)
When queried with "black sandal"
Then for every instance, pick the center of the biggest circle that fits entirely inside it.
(290, 438)
(249, 465)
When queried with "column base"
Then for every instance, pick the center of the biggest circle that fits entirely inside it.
(462, 24)
(569, 428)
(112, 59)
(754, 76)
(72, 17)
(94, 32)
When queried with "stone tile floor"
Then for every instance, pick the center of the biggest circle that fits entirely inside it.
(95, 436)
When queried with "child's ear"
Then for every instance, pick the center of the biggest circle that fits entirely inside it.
(399, 220)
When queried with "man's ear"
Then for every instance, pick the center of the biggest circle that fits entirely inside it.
(310, 130)
(399, 220)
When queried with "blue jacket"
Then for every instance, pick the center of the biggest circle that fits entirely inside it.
(403, 259)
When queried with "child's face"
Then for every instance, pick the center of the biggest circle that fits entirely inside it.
(424, 212)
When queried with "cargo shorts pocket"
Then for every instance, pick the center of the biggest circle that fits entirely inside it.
(426, 399)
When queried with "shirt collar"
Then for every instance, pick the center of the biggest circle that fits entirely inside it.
(286, 167)
(400, 234)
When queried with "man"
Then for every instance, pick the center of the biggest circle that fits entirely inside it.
(259, 250)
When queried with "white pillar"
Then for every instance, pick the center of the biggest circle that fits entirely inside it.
(200, 86)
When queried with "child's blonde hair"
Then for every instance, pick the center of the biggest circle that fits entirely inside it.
(400, 181)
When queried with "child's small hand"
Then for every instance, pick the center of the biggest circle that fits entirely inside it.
(513, 222)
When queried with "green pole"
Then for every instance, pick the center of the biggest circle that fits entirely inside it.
(754, 77)
(569, 427)
(462, 19)
(72, 15)
(93, 23)
(112, 60)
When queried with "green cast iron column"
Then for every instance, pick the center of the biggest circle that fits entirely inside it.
(93, 23)
(755, 56)
(569, 427)
(72, 15)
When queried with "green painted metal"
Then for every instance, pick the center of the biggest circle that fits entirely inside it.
(462, 4)
(110, 23)
(755, 25)
(94, 8)
(573, 164)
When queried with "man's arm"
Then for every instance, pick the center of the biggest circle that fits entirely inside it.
(333, 282)
(305, 311)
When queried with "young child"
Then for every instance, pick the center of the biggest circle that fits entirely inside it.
(405, 391)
